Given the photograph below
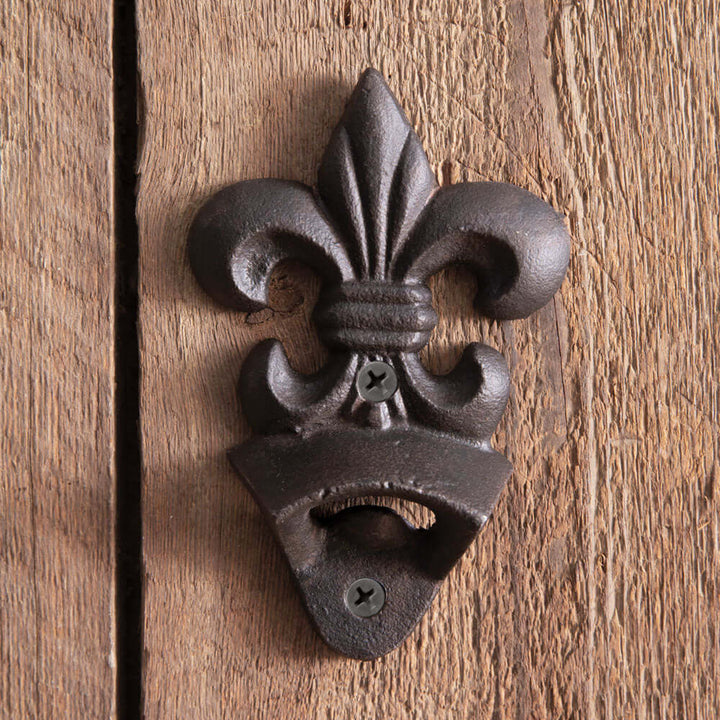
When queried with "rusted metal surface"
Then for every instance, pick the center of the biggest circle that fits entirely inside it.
(373, 421)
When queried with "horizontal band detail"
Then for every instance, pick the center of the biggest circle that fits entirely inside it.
(373, 316)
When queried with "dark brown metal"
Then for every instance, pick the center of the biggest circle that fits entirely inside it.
(375, 230)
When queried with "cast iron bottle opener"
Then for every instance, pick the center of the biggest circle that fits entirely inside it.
(374, 421)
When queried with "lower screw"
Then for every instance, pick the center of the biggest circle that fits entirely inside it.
(365, 597)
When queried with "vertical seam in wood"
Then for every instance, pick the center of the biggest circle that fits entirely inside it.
(128, 492)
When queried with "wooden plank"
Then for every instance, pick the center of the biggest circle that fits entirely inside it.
(593, 590)
(56, 361)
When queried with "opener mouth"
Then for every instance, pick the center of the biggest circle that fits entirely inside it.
(377, 528)
(415, 515)
(345, 505)
(357, 482)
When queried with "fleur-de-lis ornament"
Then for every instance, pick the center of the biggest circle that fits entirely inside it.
(374, 421)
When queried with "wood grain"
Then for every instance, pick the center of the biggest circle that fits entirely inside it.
(56, 361)
(593, 591)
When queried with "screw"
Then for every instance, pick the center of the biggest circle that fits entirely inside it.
(365, 598)
(377, 382)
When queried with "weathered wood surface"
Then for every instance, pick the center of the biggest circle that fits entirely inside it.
(593, 592)
(56, 361)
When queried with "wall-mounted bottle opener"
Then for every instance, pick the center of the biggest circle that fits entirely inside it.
(374, 421)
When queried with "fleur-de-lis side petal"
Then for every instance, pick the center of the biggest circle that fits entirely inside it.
(375, 229)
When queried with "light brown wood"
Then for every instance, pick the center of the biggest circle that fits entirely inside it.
(56, 361)
(593, 592)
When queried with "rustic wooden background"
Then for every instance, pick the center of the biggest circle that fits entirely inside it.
(57, 280)
(594, 591)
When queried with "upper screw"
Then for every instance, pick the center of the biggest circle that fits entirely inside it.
(376, 382)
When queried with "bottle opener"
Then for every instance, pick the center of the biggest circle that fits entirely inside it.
(374, 421)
